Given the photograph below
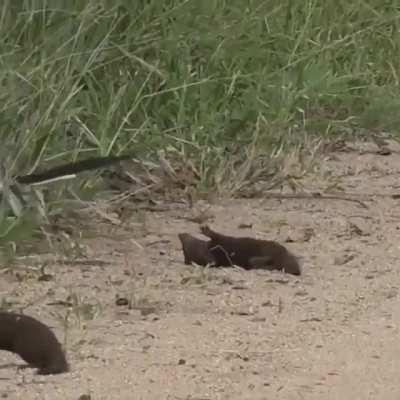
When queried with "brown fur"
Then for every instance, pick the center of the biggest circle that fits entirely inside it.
(250, 253)
(195, 250)
(33, 341)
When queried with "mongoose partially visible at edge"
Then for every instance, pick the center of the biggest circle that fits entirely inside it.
(33, 341)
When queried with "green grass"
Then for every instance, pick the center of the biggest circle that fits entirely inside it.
(81, 78)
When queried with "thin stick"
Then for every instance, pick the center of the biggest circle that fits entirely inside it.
(313, 196)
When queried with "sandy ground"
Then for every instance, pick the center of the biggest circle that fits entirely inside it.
(199, 334)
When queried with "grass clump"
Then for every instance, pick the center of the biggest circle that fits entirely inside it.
(198, 77)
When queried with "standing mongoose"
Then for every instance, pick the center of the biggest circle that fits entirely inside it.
(33, 341)
(250, 253)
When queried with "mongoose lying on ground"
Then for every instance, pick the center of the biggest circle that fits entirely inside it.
(250, 253)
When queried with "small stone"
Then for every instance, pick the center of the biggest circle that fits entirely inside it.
(45, 278)
(267, 303)
(245, 225)
(384, 151)
(84, 397)
(122, 301)
(343, 259)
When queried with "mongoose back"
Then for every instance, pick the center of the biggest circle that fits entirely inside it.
(250, 253)
(33, 341)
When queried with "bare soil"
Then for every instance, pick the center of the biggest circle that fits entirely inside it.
(195, 333)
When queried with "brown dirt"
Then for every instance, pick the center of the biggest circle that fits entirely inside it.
(232, 334)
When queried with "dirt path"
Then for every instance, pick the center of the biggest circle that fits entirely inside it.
(230, 334)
